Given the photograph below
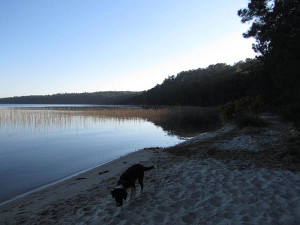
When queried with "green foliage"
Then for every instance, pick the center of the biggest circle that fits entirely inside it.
(227, 111)
(242, 109)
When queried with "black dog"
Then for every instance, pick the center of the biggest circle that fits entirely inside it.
(127, 180)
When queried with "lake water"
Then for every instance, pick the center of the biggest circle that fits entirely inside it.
(40, 145)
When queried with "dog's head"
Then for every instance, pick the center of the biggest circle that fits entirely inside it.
(119, 194)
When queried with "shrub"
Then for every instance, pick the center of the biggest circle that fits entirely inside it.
(243, 111)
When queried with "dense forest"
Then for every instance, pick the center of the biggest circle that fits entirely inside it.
(99, 98)
(273, 74)
(212, 86)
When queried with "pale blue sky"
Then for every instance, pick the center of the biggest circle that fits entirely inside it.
(59, 46)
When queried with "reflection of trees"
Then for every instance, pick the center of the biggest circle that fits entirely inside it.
(188, 121)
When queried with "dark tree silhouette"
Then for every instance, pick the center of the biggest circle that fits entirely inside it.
(276, 28)
(100, 98)
(275, 25)
(211, 86)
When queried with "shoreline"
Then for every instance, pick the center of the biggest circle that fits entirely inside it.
(77, 176)
(45, 186)
(40, 188)
(192, 183)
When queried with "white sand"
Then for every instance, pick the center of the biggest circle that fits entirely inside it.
(252, 142)
(178, 191)
(208, 192)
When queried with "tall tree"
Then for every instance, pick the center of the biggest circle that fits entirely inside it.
(276, 28)
(275, 25)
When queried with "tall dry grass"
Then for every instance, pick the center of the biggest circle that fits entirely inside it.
(32, 119)
(177, 113)
(169, 118)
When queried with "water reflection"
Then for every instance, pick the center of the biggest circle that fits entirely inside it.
(180, 121)
(41, 145)
(41, 120)
(50, 143)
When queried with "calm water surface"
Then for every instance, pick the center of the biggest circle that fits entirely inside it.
(41, 145)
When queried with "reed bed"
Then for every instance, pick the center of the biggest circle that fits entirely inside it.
(169, 118)
(11, 118)
(178, 113)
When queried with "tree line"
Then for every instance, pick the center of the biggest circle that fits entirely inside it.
(98, 98)
(211, 86)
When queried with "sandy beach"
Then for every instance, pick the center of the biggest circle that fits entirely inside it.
(230, 176)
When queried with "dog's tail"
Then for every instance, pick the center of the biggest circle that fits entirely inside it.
(148, 168)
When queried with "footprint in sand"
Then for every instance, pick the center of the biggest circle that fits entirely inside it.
(229, 215)
(196, 195)
(163, 208)
(189, 218)
(159, 218)
(88, 213)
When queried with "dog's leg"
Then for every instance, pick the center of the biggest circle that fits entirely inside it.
(132, 193)
(140, 180)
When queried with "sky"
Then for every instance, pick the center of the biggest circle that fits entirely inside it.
(74, 46)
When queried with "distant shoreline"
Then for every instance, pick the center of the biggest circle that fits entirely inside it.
(93, 98)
